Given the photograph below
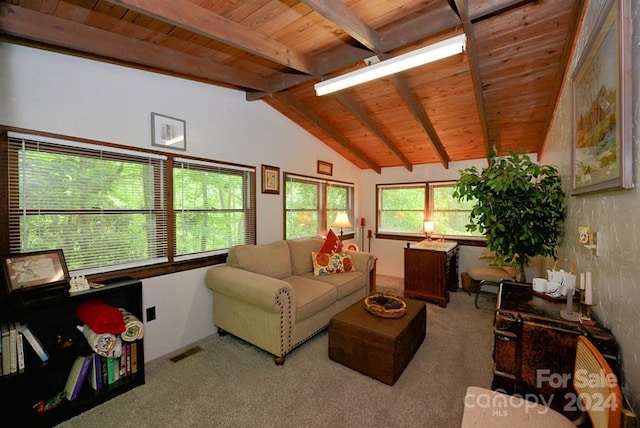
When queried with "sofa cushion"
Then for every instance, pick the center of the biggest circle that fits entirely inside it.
(332, 244)
(271, 260)
(301, 250)
(311, 296)
(327, 264)
(345, 283)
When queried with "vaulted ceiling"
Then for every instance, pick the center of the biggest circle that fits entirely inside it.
(500, 93)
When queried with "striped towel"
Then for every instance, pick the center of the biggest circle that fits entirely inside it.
(134, 328)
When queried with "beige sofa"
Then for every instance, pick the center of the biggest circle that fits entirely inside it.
(269, 296)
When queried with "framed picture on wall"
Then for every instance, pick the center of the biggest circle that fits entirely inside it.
(325, 168)
(34, 270)
(270, 179)
(168, 132)
(601, 105)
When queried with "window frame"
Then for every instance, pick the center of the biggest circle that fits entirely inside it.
(248, 176)
(322, 208)
(171, 265)
(428, 211)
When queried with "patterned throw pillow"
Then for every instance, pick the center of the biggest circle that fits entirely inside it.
(326, 264)
(332, 244)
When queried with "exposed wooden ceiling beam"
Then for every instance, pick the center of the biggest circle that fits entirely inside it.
(355, 28)
(488, 8)
(24, 23)
(424, 25)
(192, 17)
(474, 69)
(409, 97)
(336, 12)
(326, 127)
(365, 118)
(342, 17)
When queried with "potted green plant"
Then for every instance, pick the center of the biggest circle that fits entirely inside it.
(519, 207)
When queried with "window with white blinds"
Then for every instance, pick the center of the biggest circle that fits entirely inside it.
(214, 207)
(110, 208)
(311, 205)
(102, 206)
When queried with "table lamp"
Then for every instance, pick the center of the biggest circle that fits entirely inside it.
(341, 221)
(428, 228)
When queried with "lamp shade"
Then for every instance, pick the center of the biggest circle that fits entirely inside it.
(428, 226)
(341, 221)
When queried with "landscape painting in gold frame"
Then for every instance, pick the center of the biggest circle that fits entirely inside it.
(601, 103)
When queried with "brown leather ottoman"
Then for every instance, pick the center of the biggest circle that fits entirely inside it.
(377, 347)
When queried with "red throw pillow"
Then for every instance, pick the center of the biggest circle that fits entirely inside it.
(332, 244)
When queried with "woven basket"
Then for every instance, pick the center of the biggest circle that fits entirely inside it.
(376, 302)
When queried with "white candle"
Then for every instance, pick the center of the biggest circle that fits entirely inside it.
(588, 292)
(582, 281)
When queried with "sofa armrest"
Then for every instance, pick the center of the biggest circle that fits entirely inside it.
(362, 261)
(252, 288)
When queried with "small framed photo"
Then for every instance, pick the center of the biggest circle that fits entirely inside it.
(270, 179)
(325, 168)
(584, 235)
(168, 132)
(39, 269)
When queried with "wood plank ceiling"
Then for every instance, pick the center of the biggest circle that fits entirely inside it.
(501, 92)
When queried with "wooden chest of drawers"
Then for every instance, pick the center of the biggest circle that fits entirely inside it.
(431, 271)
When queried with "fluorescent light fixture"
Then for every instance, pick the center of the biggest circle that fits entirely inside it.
(431, 53)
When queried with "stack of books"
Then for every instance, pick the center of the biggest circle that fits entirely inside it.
(12, 347)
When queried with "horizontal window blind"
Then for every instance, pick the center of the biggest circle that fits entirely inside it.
(214, 206)
(104, 207)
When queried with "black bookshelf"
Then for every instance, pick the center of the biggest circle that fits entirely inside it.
(52, 318)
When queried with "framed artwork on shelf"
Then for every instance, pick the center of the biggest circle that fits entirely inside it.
(325, 168)
(168, 132)
(270, 179)
(34, 270)
(601, 106)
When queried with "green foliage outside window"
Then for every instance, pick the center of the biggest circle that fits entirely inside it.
(209, 209)
(402, 210)
(337, 200)
(107, 209)
(450, 214)
(65, 201)
(311, 206)
(302, 213)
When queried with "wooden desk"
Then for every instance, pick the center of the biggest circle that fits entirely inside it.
(534, 348)
(431, 270)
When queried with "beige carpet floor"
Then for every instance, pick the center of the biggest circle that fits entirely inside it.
(231, 383)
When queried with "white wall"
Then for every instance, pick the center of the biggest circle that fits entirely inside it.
(61, 94)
